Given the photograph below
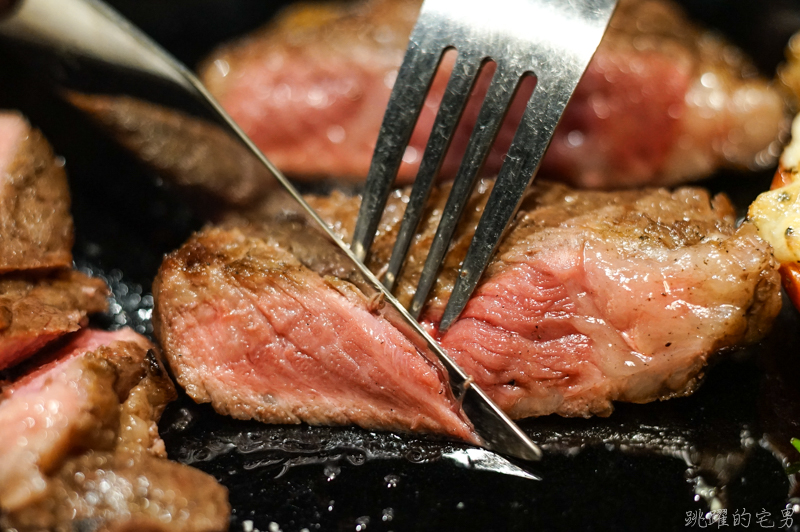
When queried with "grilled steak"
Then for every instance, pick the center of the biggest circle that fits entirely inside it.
(36, 310)
(246, 326)
(80, 447)
(35, 223)
(662, 101)
(592, 298)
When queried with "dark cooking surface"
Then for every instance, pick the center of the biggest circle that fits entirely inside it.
(643, 468)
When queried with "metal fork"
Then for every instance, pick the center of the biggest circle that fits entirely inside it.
(552, 40)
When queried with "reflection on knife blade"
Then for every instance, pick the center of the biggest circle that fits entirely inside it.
(483, 460)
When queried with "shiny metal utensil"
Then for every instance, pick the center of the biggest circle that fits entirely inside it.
(84, 46)
(552, 40)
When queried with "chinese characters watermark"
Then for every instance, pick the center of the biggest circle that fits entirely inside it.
(740, 518)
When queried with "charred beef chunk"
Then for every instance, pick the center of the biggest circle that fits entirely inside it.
(80, 446)
(35, 224)
(592, 298)
(36, 310)
(662, 102)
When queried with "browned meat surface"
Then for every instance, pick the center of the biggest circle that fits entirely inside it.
(81, 451)
(36, 310)
(197, 156)
(661, 103)
(592, 298)
(35, 223)
(249, 328)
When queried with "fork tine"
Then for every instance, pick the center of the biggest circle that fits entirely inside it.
(456, 94)
(405, 102)
(501, 90)
(522, 162)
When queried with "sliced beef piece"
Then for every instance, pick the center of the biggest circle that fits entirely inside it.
(662, 101)
(35, 310)
(198, 157)
(249, 328)
(66, 403)
(592, 298)
(81, 450)
(35, 223)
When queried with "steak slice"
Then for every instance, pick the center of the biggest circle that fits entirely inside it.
(249, 328)
(592, 298)
(35, 223)
(662, 101)
(197, 156)
(80, 448)
(36, 310)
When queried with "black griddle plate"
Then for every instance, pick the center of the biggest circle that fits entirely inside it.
(647, 467)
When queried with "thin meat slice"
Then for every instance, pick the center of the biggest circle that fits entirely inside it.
(80, 446)
(249, 328)
(199, 157)
(592, 297)
(36, 228)
(35, 310)
(662, 102)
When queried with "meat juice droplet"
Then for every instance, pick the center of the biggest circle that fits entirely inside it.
(331, 471)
